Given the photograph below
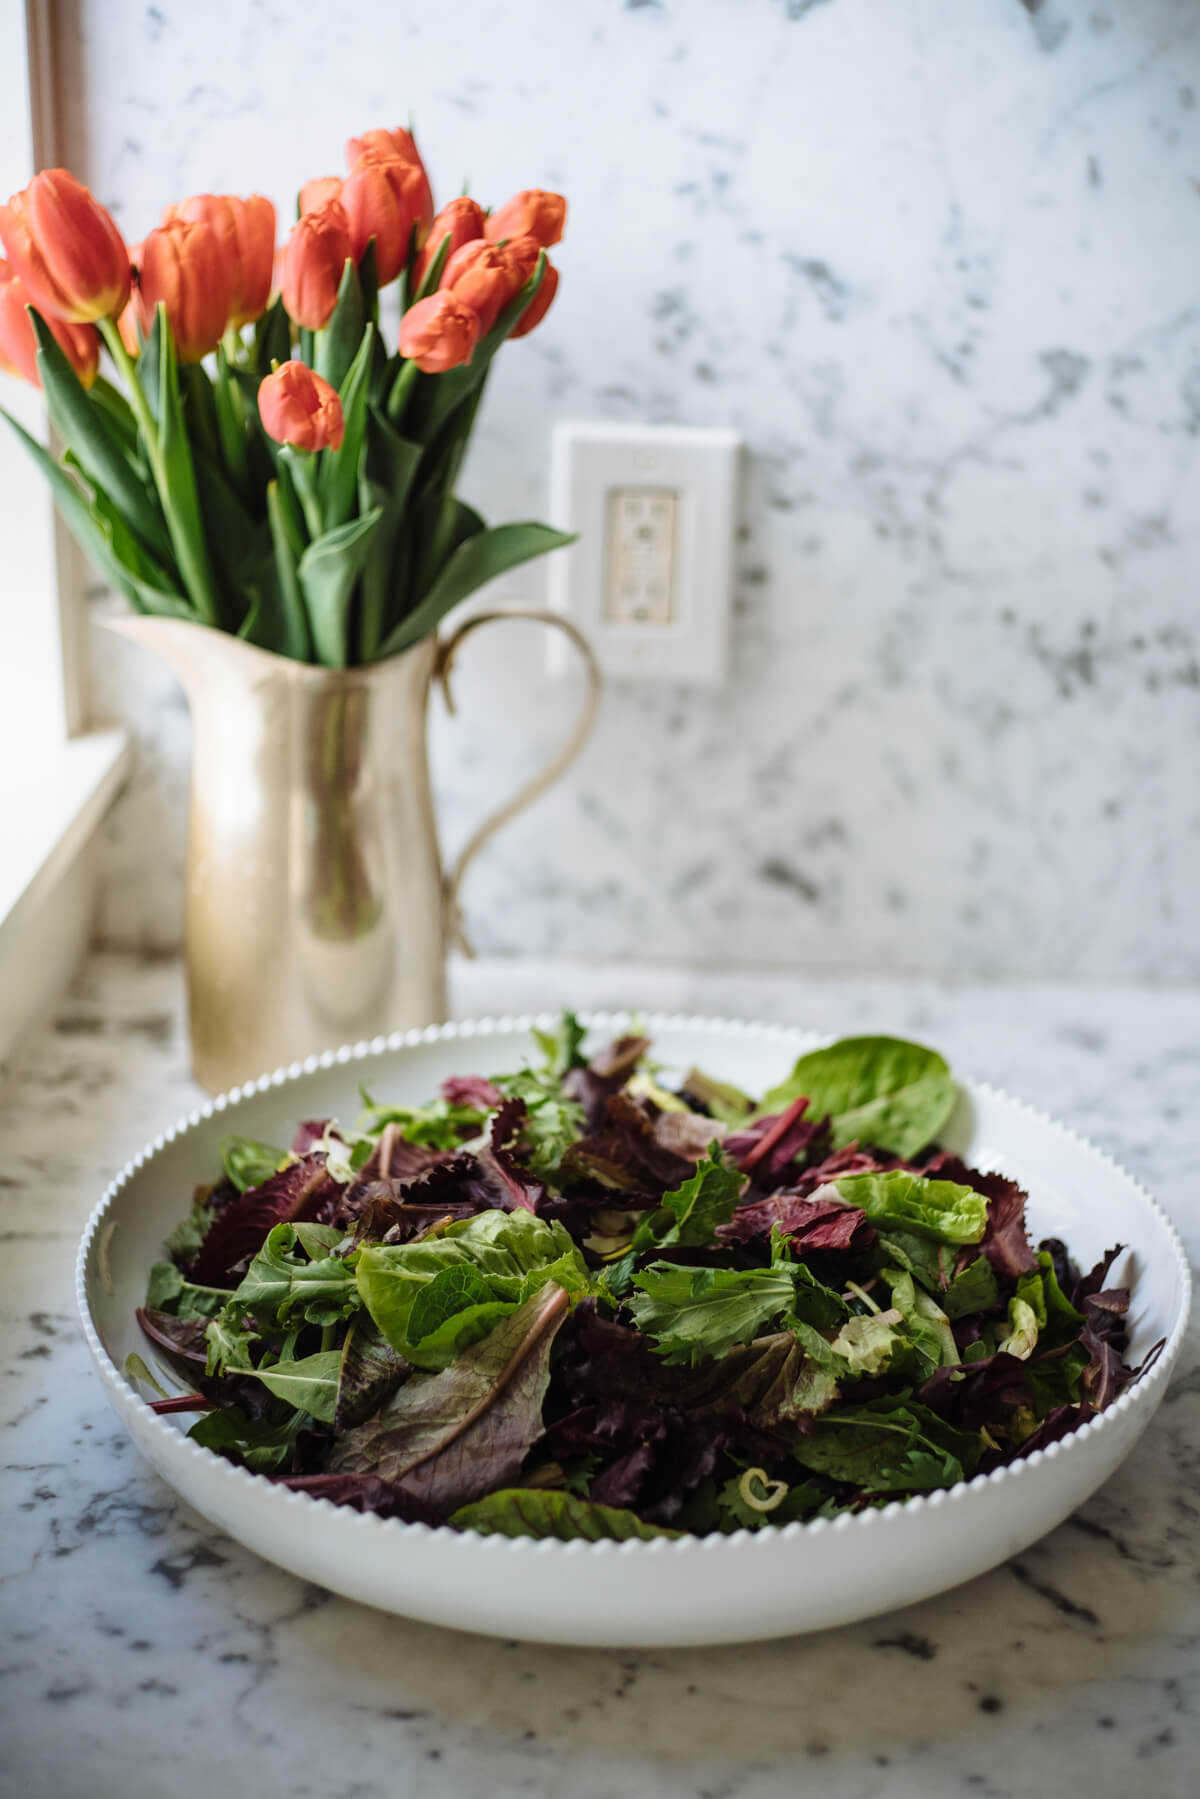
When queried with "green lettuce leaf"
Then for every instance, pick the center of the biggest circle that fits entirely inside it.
(552, 1120)
(511, 1253)
(310, 1385)
(439, 1125)
(284, 1285)
(696, 1312)
(561, 1046)
(974, 1290)
(540, 1512)
(168, 1291)
(878, 1090)
(264, 1445)
(249, 1164)
(909, 1202)
(703, 1203)
(889, 1445)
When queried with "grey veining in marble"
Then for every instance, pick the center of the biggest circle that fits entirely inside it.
(144, 1654)
(937, 262)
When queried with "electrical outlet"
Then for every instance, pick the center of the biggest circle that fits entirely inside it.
(650, 580)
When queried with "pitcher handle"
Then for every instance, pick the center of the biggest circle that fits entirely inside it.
(537, 784)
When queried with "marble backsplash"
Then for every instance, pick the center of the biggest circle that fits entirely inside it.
(938, 264)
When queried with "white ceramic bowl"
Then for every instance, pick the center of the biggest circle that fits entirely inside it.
(691, 1591)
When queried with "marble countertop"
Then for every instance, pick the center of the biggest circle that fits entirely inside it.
(144, 1653)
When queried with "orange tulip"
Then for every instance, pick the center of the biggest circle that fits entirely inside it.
(533, 213)
(461, 221)
(246, 232)
(317, 252)
(18, 345)
(298, 407)
(319, 191)
(483, 276)
(439, 333)
(523, 253)
(399, 145)
(539, 306)
(66, 249)
(127, 324)
(183, 266)
(384, 199)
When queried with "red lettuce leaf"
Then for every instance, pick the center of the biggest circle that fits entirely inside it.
(300, 1191)
(363, 1493)
(516, 1185)
(449, 1438)
(768, 1147)
(472, 1090)
(810, 1224)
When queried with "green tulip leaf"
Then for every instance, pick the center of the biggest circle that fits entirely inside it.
(100, 452)
(328, 571)
(479, 560)
(337, 345)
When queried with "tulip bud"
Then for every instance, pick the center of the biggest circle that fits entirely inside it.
(319, 191)
(18, 344)
(523, 253)
(317, 253)
(439, 333)
(66, 249)
(483, 277)
(298, 407)
(533, 213)
(395, 145)
(246, 234)
(539, 306)
(383, 199)
(461, 221)
(184, 267)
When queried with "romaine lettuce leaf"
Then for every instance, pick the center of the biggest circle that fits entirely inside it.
(878, 1090)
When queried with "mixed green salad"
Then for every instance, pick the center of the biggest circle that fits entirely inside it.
(590, 1298)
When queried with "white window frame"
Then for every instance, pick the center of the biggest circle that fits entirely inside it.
(57, 775)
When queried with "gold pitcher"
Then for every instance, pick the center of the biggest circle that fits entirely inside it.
(317, 909)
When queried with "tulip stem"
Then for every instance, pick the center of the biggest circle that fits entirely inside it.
(136, 396)
(302, 467)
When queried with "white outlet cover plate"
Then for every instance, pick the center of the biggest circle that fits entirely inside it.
(650, 580)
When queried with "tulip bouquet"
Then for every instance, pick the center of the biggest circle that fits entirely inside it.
(262, 464)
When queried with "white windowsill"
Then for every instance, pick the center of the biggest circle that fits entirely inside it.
(51, 802)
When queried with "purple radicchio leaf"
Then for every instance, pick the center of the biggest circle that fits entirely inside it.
(309, 1135)
(471, 1090)
(628, 1152)
(302, 1190)
(810, 1224)
(979, 1394)
(455, 1187)
(604, 1075)
(1093, 1281)
(446, 1439)
(395, 1159)
(1106, 1374)
(767, 1148)
(517, 1185)
(853, 1159)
